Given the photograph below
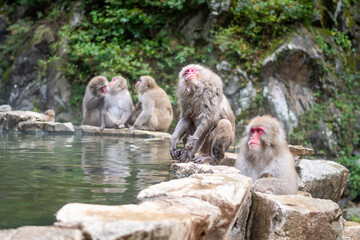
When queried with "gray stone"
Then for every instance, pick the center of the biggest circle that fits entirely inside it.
(322, 179)
(5, 108)
(186, 218)
(294, 217)
(41, 233)
(351, 231)
(229, 192)
(123, 132)
(49, 127)
(187, 169)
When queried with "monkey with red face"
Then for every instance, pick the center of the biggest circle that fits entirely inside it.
(207, 123)
(93, 101)
(118, 104)
(265, 157)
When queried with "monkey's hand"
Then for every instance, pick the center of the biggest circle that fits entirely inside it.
(180, 155)
(102, 127)
(121, 126)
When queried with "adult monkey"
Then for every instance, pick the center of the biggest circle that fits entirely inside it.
(118, 104)
(207, 123)
(156, 110)
(93, 101)
(265, 157)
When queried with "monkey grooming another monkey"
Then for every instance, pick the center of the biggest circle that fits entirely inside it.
(207, 123)
(118, 104)
(156, 110)
(93, 101)
(265, 157)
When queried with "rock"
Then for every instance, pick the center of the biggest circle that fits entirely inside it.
(5, 108)
(229, 159)
(287, 74)
(300, 151)
(10, 120)
(352, 230)
(49, 127)
(123, 132)
(351, 212)
(321, 178)
(187, 169)
(185, 218)
(294, 217)
(30, 122)
(41, 233)
(229, 192)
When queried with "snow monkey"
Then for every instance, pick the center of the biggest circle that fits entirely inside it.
(265, 157)
(93, 101)
(118, 104)
(207, 123)
(156, 110)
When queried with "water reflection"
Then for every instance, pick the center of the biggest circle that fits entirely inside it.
(39, 174)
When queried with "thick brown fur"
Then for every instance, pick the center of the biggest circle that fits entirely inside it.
(49, 115)
(207, 123)
(272, 166)
(118, 105)
(156, 110)
(93, 101)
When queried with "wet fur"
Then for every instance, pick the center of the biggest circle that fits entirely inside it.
(202, 107)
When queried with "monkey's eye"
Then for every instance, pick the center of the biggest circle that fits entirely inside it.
(189, 71)
(252, 131)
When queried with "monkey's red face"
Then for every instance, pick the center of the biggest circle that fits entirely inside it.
(190, 73)
(255, 133)
(103, 89)
(138, 83)
(113, 81)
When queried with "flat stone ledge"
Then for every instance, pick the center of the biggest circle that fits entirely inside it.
(41, 233)
(123, 132)
(46, 127)
(229, 192)
(186, 218)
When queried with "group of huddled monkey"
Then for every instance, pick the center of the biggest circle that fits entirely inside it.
(109, 105)
(206, 125)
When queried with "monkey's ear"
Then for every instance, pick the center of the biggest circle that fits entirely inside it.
(148, 85)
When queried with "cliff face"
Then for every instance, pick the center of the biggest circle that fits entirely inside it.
(308, 78)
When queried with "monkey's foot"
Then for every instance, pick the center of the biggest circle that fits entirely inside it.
(121, 126)
(205, 158)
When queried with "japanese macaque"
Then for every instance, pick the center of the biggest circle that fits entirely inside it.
(93, 101)
(118, 104)
(265, 157)
(156, 110)
(49, 116)
(207, 123)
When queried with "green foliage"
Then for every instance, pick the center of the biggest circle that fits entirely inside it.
(125, 38)
(354, 176)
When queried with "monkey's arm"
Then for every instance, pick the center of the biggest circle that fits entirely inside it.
(147, 110)
(273, 185)
(195, 141)
(181, 128)
(94, 102)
